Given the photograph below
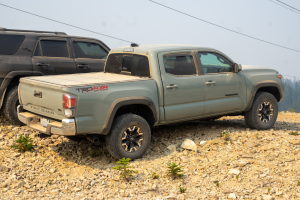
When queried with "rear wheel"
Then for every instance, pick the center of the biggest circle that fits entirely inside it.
(129, 137)
(263, 113)
(10, 105)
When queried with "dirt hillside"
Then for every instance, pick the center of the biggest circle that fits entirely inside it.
(246, 164)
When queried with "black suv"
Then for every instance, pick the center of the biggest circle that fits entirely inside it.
(38, 53)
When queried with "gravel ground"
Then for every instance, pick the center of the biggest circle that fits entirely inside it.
(266, 162)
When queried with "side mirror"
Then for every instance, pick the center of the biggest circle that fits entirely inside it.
(237, 67)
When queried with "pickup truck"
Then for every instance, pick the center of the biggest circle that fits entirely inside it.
(146, 86)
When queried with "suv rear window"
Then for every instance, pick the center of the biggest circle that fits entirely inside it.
(130, 64)
(10, 44)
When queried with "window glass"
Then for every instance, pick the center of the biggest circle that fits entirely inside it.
(89, 50)
(10, 44)
(51, 48)
(130, 64)
(214, 63)
(38, 51)
(180, 64)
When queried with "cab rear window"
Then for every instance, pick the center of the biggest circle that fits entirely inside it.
(10, 44)
(129, 64)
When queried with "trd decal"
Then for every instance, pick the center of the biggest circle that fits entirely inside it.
(91, 89)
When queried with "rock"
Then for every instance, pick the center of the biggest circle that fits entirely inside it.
(4, 169)
(242, 163)
(48, 162)
(231, 196)
(295, 142)
(249, 144)
(203, 142)
(170, 197)
(267, 197)
(17, 154)
(77, 189)
(189, 144)
(248, 156)
(234, 171)
(122, 186)
(52, 170)
(172, 148)
(105, 160)
(227, 191)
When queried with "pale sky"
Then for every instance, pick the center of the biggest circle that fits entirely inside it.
(144, 22)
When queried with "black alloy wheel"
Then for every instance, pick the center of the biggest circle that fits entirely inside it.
(265, 112)
(132, 139)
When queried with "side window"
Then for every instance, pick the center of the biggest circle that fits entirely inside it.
(89, 50)
(52, 48)
(179, 64)
(10, 44)
(213, 63)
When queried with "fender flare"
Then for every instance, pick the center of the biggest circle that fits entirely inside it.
(260, 84)
(10, 76)
(123, 102)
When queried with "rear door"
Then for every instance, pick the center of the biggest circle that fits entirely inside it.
(221, 84)
(53, 56)
(184, 89)
(90, 55)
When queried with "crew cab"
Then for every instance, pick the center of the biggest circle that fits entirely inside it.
(146, 86)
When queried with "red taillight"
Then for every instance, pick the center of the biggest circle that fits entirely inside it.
(69, 101)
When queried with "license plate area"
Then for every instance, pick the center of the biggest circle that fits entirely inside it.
(44, 122)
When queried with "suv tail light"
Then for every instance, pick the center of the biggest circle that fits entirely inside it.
(69, 105)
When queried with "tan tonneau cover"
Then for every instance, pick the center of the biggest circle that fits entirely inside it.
(71, 80)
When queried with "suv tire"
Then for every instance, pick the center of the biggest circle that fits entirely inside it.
(129, 137)
(10, 104)
(263, 113)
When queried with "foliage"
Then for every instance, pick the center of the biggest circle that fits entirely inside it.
(237, 176)
(269, 189)
(182, 189)
(124, 168)
(174, 170)
(226, 135)
(217, 184)
(93, 154)
(291, 100)
(23, 144)
(155, 176)
(298, 183)
(294, 133)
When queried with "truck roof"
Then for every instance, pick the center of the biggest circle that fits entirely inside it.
(144, 49)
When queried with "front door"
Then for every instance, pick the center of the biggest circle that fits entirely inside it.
(184, 90)
(221, 84)
(90, 56)
(53, 56)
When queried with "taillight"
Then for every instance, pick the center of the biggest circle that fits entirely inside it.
(69, 105)
(69, 101)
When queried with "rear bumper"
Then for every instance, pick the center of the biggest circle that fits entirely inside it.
(66, 127)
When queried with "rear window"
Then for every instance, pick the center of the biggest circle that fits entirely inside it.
(52, 48)
(10, 44)
(130, 64)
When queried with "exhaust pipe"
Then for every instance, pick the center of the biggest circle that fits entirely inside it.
(93, 139)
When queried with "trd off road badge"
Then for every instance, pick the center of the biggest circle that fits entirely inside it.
(91, 89)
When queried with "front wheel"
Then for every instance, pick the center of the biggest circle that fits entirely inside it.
(263, 113)
(129, 137)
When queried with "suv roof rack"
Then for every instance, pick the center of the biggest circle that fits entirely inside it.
(16, 30)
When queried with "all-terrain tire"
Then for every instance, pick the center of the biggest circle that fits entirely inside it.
(132, 125)
(10, 104)
(253, 117)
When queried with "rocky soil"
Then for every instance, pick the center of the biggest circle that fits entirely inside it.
(250, 164)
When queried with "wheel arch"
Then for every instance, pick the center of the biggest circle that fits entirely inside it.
(264, 86)
(12, 79)
(142, 106)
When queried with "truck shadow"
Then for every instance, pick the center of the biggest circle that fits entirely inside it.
(96, 156)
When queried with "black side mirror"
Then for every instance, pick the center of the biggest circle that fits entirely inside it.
(236, 68)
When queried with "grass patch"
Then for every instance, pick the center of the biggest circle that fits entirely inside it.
(182, 189)
(24, 143)
(155, 176)
(174, 170)
(124, 169)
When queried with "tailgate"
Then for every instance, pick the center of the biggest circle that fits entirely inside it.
(42, 98)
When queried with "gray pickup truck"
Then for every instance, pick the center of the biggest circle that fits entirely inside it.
(146, 86)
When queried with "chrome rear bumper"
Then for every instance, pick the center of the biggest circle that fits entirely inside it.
(66, 127)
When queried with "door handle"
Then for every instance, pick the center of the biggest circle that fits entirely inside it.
(83, 66)
(210, 83)
(171, 86)
(42, 64)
